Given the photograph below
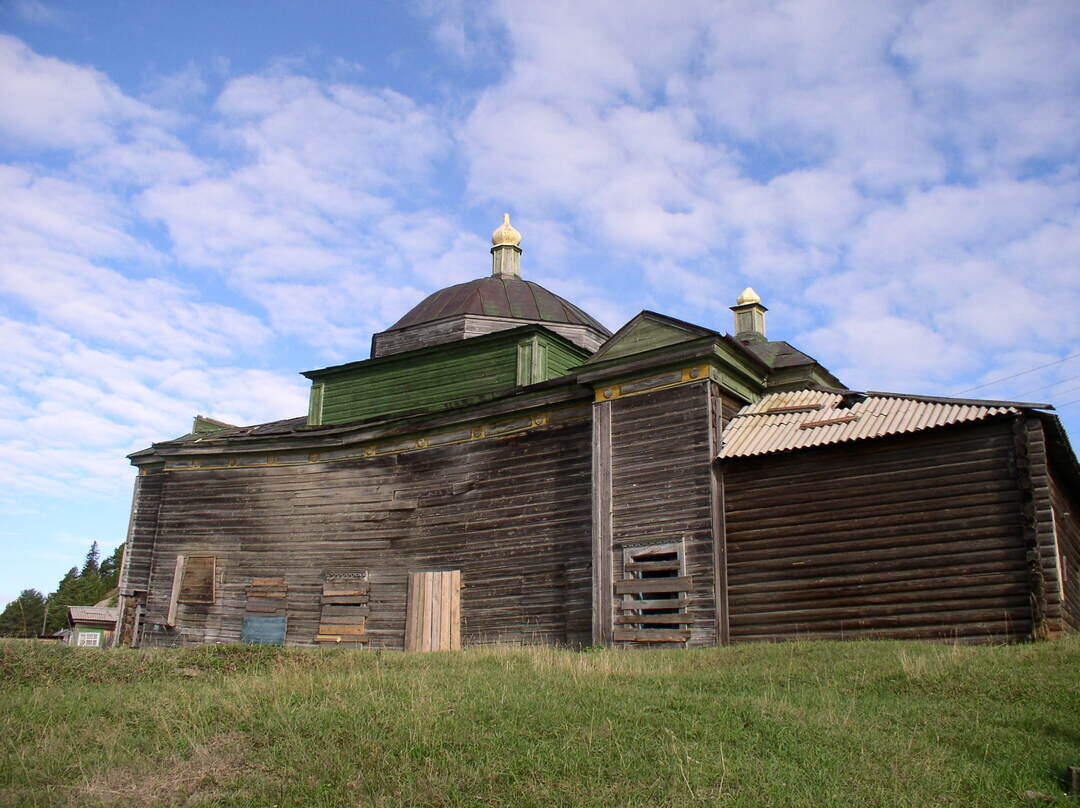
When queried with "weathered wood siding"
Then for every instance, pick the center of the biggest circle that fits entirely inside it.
(463, 373)
(918, 536)
(142, 530)
(1066, 512)
(511, 513)
(662, 490)
(1039, 530)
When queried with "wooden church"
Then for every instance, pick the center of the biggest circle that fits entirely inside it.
(503, 469)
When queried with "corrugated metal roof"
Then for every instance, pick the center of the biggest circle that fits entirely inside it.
(799, 419)
(100, 614)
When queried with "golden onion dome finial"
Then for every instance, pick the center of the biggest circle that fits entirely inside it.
(506, 234)
(747, 296)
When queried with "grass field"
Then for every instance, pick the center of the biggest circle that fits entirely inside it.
(801, 724)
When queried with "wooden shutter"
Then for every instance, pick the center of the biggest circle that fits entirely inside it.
(344, 607)
(433, 616)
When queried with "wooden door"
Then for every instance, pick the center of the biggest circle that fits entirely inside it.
(433, 612)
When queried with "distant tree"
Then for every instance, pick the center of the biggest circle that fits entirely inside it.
(22, 617)
(91, 566)
(110, 570)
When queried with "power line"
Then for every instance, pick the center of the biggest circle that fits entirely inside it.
(1048, 386)
(1067, 403)
(1021, 373)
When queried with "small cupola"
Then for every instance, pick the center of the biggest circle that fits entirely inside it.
(749, 315)
(506, 250)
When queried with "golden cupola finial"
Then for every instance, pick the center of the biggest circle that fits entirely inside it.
(506, 235)
(747, 296)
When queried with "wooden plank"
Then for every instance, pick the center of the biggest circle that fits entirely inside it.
(269, 583)
(178, 575)
(455, 610)
(267, 593)
(445, 601)
(350, 588)
(660, 603)
(654, 619)
(651, 635)
(427, 582)
(647, 566)
(344, 600)
(436, 611)
(601, 524)
(343, 629)
(411, 613)
(649, 585)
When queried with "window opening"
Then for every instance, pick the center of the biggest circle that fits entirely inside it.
(89, 639)
(653, 589)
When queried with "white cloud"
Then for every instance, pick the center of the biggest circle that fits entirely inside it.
(50, 103)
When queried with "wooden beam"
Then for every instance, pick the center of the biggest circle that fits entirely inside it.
(651, 635)
(648, 585)
(601, 524)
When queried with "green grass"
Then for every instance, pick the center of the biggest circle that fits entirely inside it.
(800, 724)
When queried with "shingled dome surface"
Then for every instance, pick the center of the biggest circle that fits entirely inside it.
(497, 297)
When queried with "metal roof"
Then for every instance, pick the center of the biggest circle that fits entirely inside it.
(799, 419)
(498, 297)
(92, 614)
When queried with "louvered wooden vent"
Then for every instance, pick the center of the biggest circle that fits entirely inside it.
(653, 606)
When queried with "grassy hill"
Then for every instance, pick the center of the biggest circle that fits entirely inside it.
(802, 724)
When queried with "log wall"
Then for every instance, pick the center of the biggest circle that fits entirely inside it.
(919, 537)
(662, 491)
(511, 513)
(1067, 521)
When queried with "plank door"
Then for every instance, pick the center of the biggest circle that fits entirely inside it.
(433, 612)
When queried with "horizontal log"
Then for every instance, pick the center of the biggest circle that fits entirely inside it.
(649, 585)
(650, 635)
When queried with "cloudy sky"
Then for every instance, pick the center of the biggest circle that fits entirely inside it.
(198, 200)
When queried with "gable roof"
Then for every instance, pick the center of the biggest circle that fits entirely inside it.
(801, 419)
(646, 331)
(93, 614)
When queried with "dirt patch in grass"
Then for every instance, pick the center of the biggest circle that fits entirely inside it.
(209, 772)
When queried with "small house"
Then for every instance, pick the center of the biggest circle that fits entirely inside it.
(91, 626)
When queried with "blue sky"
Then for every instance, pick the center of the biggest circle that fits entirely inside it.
(200, 200)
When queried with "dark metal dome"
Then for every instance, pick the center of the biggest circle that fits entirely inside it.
(498, 297)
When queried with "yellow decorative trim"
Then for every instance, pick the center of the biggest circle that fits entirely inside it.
(690, 375)
(447, 437)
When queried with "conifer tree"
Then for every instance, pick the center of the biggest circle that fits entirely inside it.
(22, 617)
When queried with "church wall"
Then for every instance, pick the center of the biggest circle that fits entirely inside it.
(661, 491)
(511, 513)
(920, 536)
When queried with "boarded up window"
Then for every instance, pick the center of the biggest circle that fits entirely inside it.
(344, 608)
(653, 606)
(193, 582)
(265, 612)
(433, 619)
(197, 585)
